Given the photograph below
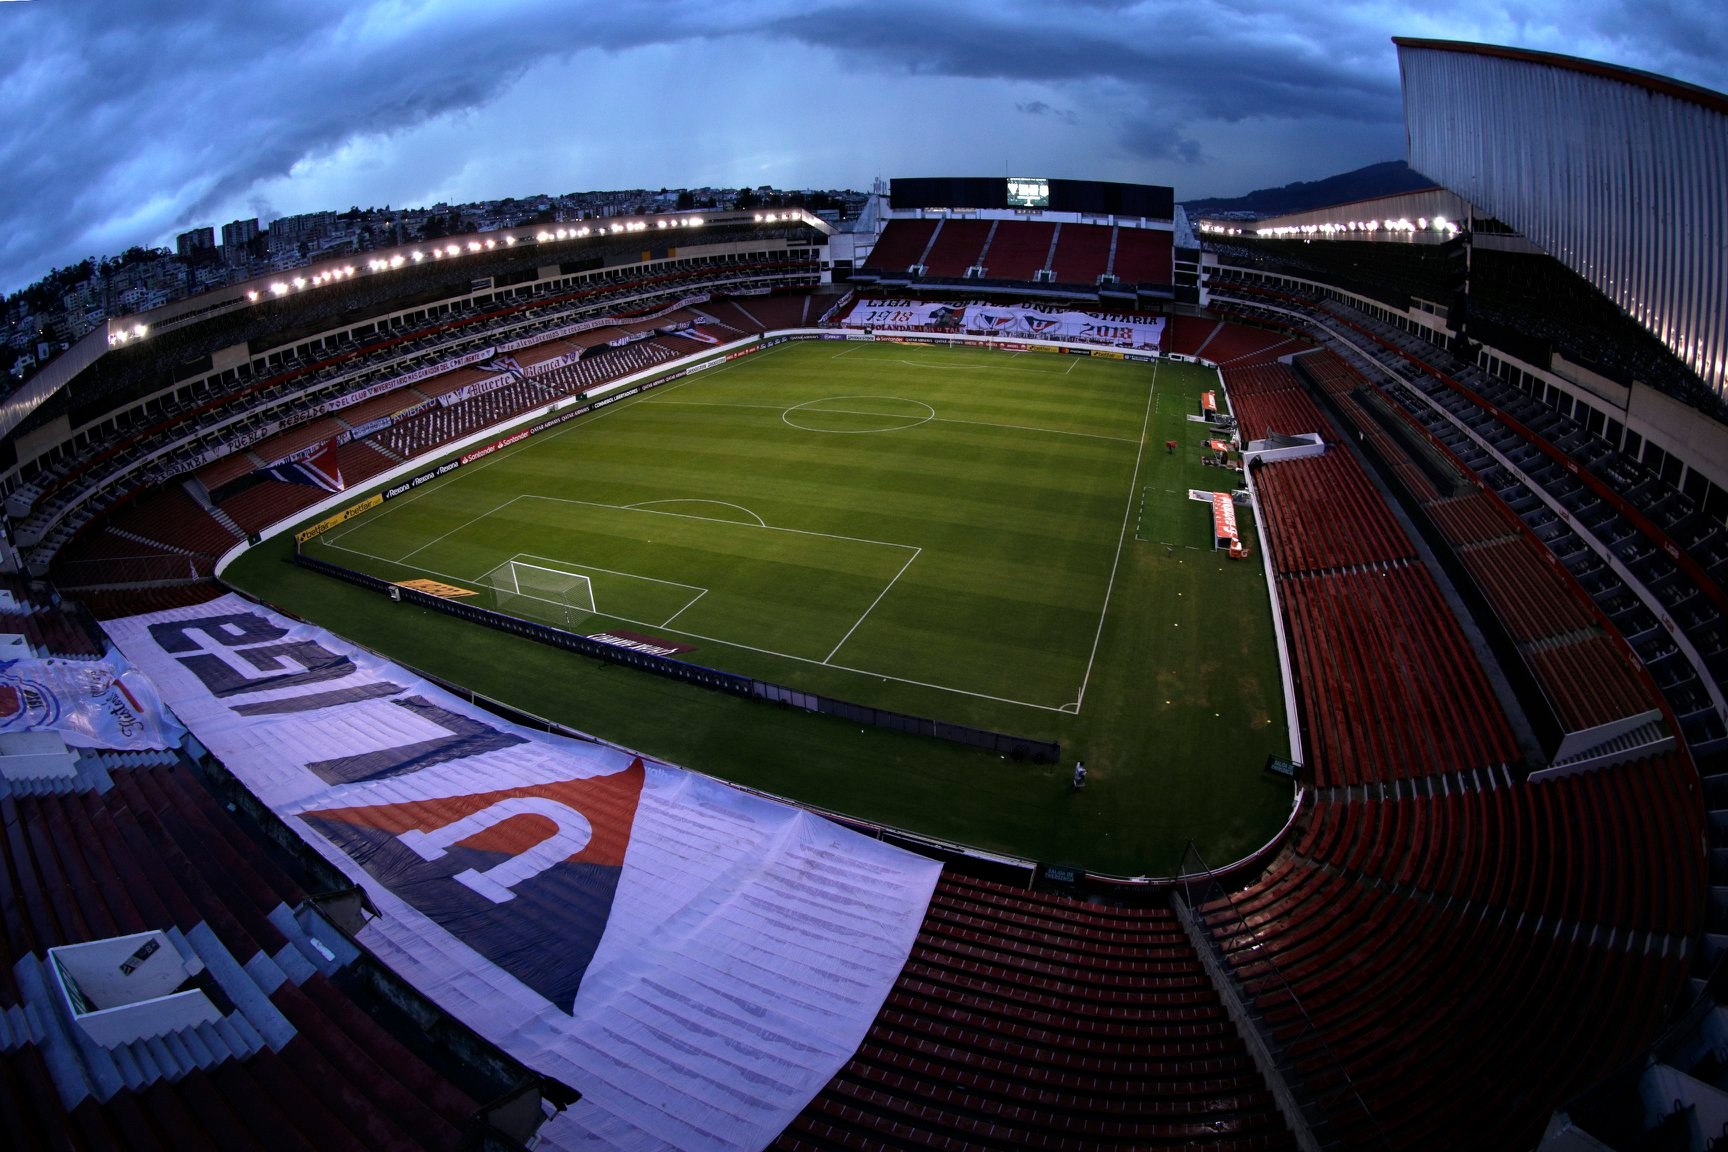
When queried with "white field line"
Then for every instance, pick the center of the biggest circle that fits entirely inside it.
(696, 588)
(608, 571)
(1121, 537)
(760, 523)
(769, 651)
(458, 528)
(712, 520)
(873, 604)
(933, 420)
(668, 621)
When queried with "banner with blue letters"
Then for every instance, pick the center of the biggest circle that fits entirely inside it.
(697, 961)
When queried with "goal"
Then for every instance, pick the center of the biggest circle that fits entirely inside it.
(540, 592)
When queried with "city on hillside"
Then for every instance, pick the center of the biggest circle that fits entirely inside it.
(39, 321)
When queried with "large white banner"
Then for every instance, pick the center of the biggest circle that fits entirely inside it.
(1017, 320)
(91, 703)
(696, 961)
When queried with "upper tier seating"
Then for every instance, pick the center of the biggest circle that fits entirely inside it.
(1082, 254)
(957, 248)
(900, 246)
(1018, 250)
(1143, 256)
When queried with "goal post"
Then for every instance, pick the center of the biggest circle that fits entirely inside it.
(540, 591)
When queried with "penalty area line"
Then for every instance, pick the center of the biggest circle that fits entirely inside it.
(916, 553)
(764, 651)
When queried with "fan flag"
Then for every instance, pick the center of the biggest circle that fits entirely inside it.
(317, 468)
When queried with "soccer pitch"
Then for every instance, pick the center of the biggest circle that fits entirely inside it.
(985, 537)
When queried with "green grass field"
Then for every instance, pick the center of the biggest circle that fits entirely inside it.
(991, 538)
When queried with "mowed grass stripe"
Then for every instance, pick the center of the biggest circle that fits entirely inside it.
(1097, 397)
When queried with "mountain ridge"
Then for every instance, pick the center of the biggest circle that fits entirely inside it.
(1383, 179)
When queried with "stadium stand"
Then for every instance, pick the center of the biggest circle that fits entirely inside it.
(1030, 1020)
(1018, 250)
(1270, 399)
(1082, 253)
(900, 246)
(304, 436)
(304, 1051)
(66, 488)
(1436, 921)
(1143, 256)
(958, 247)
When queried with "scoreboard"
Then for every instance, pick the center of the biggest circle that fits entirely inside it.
(1094, 197)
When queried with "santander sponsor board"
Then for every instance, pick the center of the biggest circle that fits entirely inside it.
(609, 921)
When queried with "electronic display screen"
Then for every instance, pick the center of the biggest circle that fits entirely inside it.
(1028, 192)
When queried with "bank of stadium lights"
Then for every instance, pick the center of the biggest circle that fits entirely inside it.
(127, 335)
(1400, 226)
(450, 251)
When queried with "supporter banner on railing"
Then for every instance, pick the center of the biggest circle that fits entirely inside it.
(361, 431)
(408, 378)
(698, 960)
(504, 371)
(1011, 320)
(599, 322)
(553, 364)
(233, 442)
(91, 703)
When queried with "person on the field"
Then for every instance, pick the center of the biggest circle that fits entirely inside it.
(1079, 775)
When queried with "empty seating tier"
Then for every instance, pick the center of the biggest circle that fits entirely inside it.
(900, 246)
(1270, 399)
(1019, 250)
(1530, 933)
(1082, 254)
(296, 1063)
(1025, 1020)
(957, 248)
(1143, 256)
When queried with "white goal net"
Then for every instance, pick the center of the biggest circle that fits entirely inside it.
(539, 591)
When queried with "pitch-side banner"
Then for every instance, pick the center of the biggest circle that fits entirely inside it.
(696, 961)
(1010, 320)
(91, 703)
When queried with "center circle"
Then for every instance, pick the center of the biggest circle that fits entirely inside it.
(854, 414)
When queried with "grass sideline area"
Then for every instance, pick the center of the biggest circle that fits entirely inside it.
(932, 530)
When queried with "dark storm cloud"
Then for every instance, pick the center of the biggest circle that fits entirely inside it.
(1163, 51)
(1161, 65)
(129, 120)
(1039, 108)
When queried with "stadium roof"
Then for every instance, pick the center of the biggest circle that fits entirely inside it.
(1665, 85)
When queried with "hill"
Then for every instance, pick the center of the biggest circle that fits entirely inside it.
(1383, 179)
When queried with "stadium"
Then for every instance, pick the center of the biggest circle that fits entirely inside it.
(620, 685)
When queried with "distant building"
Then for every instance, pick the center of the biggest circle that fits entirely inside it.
(238, 237)
(287, 233)
(197, 240)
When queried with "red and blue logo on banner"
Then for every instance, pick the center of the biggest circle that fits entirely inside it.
(524, 876)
